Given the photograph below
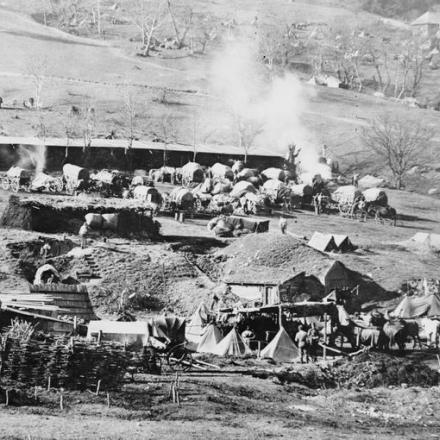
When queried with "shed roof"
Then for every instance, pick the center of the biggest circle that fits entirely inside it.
(135, 145)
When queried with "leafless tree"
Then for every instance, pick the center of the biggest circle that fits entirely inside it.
(37, 69)
(182, 21)
(247, 130)
(130, 109)
(399, 142)
(148, 17)
(203, 32)
(165, 132)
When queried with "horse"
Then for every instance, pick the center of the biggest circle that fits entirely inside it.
(382, 213)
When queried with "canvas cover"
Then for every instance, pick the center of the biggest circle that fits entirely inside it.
(369, 181)
(41, 181)
(417, 306)
(131, 333)
(241, 188)
(376, 195)
(323, 242)
(232, 345)
(193, 171)
(343, 243)
(281, 348)
(273, 173)
(221, 171)
(210, 338)
(42, 271)
(170, 328)
(196, 325)
(346, 194)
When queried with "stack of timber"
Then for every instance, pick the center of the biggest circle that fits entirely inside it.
(45, 304)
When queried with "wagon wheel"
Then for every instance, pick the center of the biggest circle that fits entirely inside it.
(5, 183)
(197, 205)
(186, 181)
(15, 185)
(179, 359)
(59, 185)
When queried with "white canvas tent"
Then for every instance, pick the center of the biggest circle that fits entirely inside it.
(430, 240)
(323, 242)
(281, 348)
(232, 345)
(210, 339)
(195, 328)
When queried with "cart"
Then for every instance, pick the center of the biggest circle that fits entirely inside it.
(16, 178)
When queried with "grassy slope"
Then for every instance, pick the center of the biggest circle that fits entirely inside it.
(81, 69)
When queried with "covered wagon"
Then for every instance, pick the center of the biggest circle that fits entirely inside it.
(147, 194)
(16, 178)
(300, 195)
(241, 188)
(276, 190)
(76, 177)
(182, 198)
(376, 196)
(192, 172)
(347, 198)
(221, 171)
(45, 182)
(274, 174)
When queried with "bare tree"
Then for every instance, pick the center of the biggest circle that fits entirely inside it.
(165, 132)
(37, 69)
(247, 130)
(130, 111)
(182, 21)
(399, 142)
(148, 17)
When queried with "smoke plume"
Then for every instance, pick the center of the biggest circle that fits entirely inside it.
(32, 157)
(275, 103)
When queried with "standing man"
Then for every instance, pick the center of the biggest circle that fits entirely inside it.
(301, 341)
(313, 340)
(283, 225)
(44, 251)
(83, 231)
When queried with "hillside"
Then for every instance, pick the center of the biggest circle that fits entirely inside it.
(105, 72)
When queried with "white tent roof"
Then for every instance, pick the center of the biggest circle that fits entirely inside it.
(210, 338)
(281, 348)
(232, 345)
(194, 329)
(432, 240)
(322, 242)
(427, 18)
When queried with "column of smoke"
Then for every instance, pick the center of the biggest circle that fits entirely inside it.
(275, 103)
(32, 157)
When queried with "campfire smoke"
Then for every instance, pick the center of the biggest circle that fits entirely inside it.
(275, 103)
(32, 157)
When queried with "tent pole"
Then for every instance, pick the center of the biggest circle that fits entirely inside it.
(280, 313)
(325, 337)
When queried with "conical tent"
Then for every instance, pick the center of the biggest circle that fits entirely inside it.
(232, 345)
(281, 348)
(210, 339)
(194, 329)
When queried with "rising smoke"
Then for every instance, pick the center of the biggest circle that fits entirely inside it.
(275, 103)
(32, 157)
